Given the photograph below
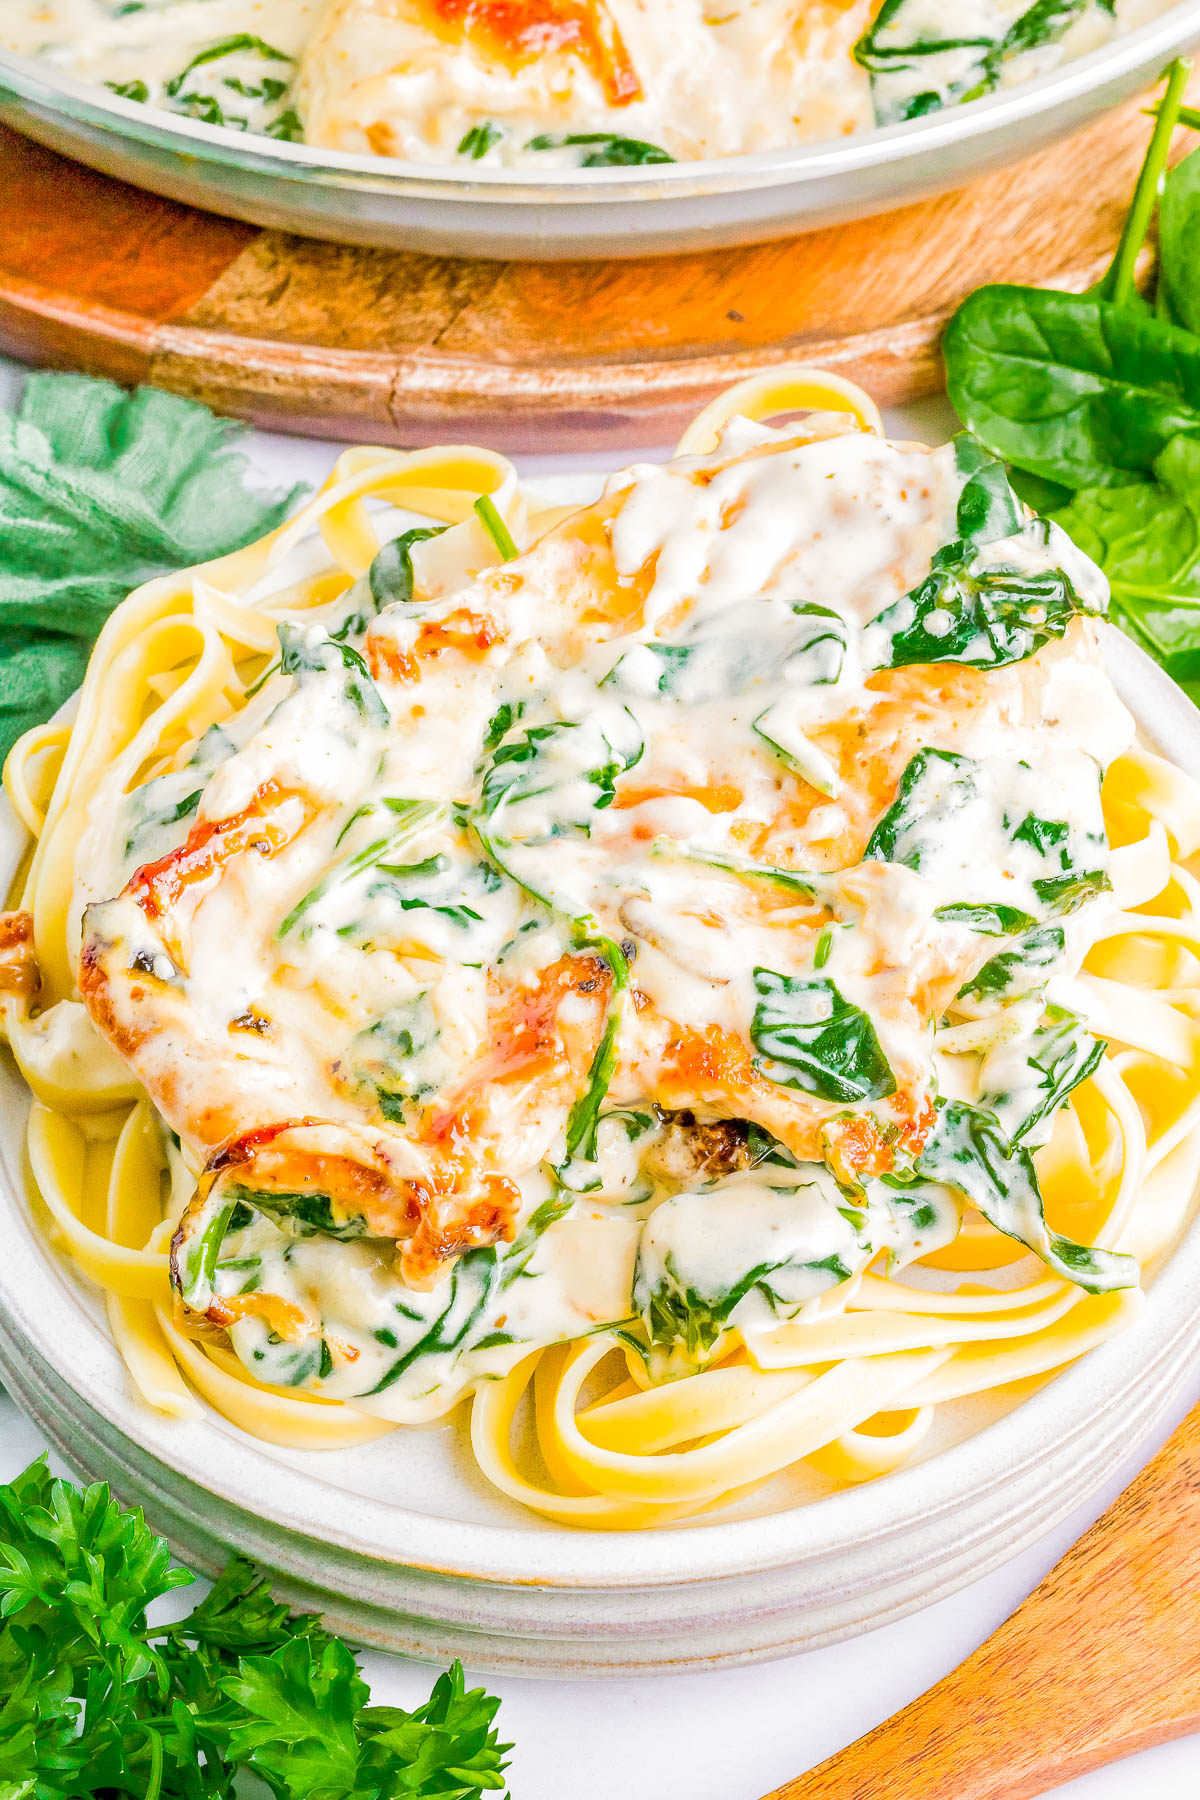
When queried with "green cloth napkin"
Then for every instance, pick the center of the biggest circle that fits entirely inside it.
(101, 489)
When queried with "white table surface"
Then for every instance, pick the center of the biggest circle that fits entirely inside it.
(737, 1734)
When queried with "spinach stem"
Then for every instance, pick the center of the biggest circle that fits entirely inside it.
(1117, 285)
(496, 529)
(1188, 116)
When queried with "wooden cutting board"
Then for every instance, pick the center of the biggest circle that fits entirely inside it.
(1103, 1659)
(326, 340)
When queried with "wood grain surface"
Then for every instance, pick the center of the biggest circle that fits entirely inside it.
(1102, 1659)
(351, 343)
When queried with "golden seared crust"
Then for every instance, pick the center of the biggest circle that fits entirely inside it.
(19, 972)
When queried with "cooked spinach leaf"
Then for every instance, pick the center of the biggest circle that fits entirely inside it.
(677, 1315)
(453, 890)
(810, 1036)
(389, 1060)
(985, 617)
(471, 1290)
(809, 887)
(501, 723)
(401, 820)
(936, 787)
(580, 1170)
(917, 66)
(390, 577)
(976, 606)
(1061, 894)
(572, 765)
(988, 921)
(969, 1150)
(171, 798)
(480, 139)
(1024, 1083)
(605, 149)
(241, 43)
(729, 652)
(1022, 969)
(944, 796)
(305, 651)
(303, 1214)
(287, 126)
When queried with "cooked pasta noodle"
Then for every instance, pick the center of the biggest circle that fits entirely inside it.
(799, 1244)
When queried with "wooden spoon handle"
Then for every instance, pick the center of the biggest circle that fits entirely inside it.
(1101, 1660)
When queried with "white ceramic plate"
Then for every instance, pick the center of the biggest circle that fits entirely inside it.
(403, 1546)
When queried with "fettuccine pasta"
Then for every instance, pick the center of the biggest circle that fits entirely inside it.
(712, 972)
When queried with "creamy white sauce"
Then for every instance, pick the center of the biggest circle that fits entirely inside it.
(592, 770)
(400, 78)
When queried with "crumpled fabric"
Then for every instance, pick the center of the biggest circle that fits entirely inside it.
(100, 490)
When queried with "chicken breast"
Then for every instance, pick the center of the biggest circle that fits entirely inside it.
(679, 811)
(416, 78)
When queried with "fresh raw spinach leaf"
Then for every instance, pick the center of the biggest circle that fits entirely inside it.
(810, 1036)
(1080, 390)
(1178, 293)
(1083, 390)
(99, 491)
(1146, 537)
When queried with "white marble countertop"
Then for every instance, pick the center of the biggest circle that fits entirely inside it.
(737, 1734)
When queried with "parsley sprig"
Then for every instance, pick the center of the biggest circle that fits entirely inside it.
(96, 1702)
